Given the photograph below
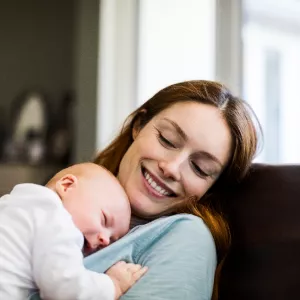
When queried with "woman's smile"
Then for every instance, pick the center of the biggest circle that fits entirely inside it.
(155, 186)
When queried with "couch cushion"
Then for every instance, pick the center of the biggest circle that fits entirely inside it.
(264, 215)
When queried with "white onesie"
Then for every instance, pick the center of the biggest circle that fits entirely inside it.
(40, 247)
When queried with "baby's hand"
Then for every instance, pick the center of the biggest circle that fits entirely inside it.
(125, 275)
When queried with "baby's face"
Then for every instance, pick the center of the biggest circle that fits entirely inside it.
(105, 224)
(102, 212)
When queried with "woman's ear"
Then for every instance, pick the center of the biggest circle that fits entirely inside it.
(135, 131)
(138, 123)
(65, 184)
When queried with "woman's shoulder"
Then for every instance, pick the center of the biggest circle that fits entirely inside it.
(186, 224)
(179, 251)
(188, 230)
(185, 221)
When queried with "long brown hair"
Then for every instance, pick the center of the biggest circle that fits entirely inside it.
(241, 121)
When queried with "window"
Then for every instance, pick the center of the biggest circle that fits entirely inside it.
(176, 43)
(271, 72)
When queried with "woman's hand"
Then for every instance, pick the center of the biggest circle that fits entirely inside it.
(124, 276)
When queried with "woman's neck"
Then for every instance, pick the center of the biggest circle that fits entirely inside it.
(135, 221)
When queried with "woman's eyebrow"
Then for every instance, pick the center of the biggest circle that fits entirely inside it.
(202, 154)
(177, 128)
(209, 156)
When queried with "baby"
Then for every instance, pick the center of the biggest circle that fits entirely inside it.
(43, 231)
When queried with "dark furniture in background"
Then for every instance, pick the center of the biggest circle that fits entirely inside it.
(264, 215)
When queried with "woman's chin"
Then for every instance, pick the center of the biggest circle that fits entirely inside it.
(142, 213)
(147, 206)
(142, 209)
(145, 209)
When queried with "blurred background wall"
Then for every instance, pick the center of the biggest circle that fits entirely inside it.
(37, 47)
(83, 66)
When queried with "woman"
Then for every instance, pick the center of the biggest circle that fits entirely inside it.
(178, 148)
(173, 156)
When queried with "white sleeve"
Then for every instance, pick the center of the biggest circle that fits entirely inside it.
(58, 268)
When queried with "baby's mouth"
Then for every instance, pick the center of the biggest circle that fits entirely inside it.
(157, 185)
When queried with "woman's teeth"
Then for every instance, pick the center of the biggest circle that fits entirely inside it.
(155, 186)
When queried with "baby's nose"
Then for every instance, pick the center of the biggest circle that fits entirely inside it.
(104, 240)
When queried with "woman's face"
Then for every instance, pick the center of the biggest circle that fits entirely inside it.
(178, 154)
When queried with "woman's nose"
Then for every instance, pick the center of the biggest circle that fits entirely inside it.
(171, 168)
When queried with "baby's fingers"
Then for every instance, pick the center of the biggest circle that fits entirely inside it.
(138, 274)
(132, 268)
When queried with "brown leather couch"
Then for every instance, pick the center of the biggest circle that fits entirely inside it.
(264, 215)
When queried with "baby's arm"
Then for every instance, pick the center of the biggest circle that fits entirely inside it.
(59, 272)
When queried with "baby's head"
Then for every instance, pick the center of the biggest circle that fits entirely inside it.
(96, 201)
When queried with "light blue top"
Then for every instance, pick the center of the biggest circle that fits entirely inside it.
(179, 251)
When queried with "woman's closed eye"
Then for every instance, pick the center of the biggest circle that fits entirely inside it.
(198, 170)
(164, 141)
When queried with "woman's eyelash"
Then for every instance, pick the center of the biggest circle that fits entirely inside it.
(164, 140)
(198, 170)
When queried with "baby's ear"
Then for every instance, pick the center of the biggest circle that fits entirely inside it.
(66, 183)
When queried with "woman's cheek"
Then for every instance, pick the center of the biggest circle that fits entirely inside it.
(196, 187)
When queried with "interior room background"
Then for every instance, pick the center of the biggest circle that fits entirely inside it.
(72, 70)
